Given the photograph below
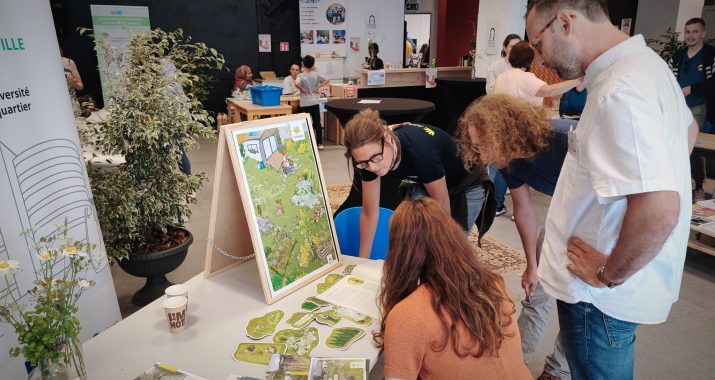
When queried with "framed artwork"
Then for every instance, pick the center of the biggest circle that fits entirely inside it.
(284, 198)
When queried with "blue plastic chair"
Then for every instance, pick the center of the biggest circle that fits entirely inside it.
(347, 227)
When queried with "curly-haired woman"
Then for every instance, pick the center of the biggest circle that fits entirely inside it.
(529, 149)
(444, 315)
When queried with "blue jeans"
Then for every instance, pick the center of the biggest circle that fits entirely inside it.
(499, 185)
(475, 200)
(597, 346)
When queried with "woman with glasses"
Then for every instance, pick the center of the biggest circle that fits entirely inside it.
(424, 155)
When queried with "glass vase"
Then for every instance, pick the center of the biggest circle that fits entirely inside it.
(74, 359)
(49, 371)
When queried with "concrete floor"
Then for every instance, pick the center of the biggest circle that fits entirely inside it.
(677, 349)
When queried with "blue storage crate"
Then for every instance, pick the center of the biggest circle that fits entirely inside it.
(266, 95)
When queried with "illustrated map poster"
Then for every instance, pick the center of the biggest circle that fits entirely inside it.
(285, 201)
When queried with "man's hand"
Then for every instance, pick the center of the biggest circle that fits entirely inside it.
(529, 280)
(585, 261)
(687, 90)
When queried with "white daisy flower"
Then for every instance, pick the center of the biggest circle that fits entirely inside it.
(8, 267)
(72, 251)
(47, 255)
(83, 284)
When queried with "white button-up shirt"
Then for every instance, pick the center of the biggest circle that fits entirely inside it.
(632, 138)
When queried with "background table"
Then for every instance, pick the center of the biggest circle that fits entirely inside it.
(254, 111)
(392, 110)
(218, 312)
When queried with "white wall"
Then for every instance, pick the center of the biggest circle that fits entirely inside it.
(506, 16)
(687, 10)
(419, 27)
(389, 34)
(652, 21)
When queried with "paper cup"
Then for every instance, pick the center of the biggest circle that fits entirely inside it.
(175, 309)
(177, 290)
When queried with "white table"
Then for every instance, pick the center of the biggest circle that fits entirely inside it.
(218, 312)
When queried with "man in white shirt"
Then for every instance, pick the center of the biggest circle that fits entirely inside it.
(617, 227)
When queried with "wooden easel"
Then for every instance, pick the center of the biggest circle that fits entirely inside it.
(231, 240)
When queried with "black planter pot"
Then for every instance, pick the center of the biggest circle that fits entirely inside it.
(154, 266)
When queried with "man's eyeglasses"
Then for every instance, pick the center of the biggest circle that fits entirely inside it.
(374, 159)
(536, 41)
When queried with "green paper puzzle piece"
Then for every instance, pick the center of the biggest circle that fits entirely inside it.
(349, 269)
(342, 337)
(317, 301)
(260, 327)
(328, 317)
(353, 316)
(300, 319)
(309, 306)
(330, 280)
(298, 342)
(257, 353)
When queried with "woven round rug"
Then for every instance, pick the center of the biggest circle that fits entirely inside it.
(497, 256)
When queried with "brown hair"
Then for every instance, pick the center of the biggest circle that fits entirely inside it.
(510, 127)
(364, 128)
(506, 42)
(521, 55)
(427, 247)
(594, 10)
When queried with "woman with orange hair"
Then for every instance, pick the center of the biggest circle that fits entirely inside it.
(444, 315)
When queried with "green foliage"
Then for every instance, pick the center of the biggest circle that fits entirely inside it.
(667, 45)
(155, 114)
(44, 329)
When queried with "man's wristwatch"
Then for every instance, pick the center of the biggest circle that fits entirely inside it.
(603, 279)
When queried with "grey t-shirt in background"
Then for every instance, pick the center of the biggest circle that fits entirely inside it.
(310, 82)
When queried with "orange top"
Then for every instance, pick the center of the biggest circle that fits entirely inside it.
(413, 327)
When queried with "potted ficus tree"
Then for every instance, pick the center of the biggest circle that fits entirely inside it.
(154, 114)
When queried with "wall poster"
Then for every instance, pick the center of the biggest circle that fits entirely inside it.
(116, 23)
(323, 26)
(284, 198)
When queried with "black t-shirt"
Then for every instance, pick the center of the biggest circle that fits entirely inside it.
(376, 64)
(541, 172)
(428, 154)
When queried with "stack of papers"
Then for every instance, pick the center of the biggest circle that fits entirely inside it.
(703, 216)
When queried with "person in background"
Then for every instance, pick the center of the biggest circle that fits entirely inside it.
(444, 314)
(501, 65)
(615, 242)
(425, 155)
(74, 82)
(373, 62)
(495, 69)
(693, 67)
(424, 56)
(308, 82)
(289, 87)
(494, 128)
(243, 78)
(519, 82)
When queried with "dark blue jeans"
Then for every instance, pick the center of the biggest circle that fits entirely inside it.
(597, 346)
(499, 185)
